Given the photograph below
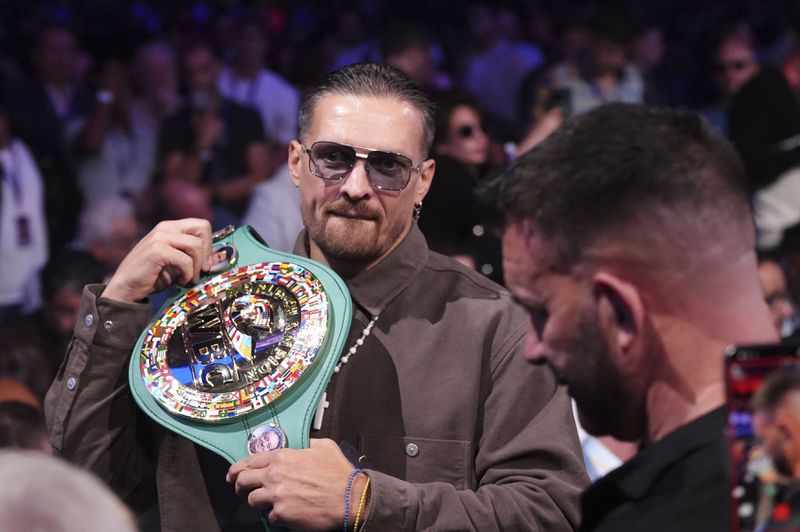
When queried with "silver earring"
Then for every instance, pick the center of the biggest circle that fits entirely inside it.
(417, 210)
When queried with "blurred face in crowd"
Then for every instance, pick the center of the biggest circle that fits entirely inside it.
(572, 329)
(648, 49)
(56, 57)
(466, 140)
(202, 69)
(779, 433)
(110, 251)
(773, 284)
(735, 64)
(250, 45)
(609, 56)
(158, 75)
(348, 220)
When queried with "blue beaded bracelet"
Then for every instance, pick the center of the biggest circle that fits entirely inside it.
(347, 498)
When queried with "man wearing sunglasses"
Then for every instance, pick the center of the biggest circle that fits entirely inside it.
(433, 400)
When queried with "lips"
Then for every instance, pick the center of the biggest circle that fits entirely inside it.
(353, 212)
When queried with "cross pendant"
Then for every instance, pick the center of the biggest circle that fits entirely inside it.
(320, 413)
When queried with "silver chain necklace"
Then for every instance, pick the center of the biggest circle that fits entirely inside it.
(323, 402)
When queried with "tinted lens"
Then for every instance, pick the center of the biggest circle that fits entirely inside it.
(388, 171)
(329, 160)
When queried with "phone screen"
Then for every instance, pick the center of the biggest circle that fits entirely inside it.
(759, 489)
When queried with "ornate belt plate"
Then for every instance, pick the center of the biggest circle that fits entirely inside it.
(238, 362)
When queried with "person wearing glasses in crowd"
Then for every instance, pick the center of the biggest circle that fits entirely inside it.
(453, 221)
(734, 62)
(459, 433)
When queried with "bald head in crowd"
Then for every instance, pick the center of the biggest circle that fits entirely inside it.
(628, 237)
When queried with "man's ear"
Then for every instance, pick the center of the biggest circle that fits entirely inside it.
(295, 160)
(425, 179)
(625, 305)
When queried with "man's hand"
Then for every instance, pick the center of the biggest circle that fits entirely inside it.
(302, 489)
(176, 250)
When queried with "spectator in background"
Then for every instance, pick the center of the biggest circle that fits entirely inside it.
(38, 112)
(155, 77)
(34, 346)
(108, 230)
(44, 493)
(407, 48)
(349, 42)
(248, 82)
(113, 148)
(274, 211)
(776, 294)
(604, 75)
(494, 72)
(155, 73)
(452, 219)
(735, 63)
(213, 149)
(646, 51)
(764, 125)
(23, 231)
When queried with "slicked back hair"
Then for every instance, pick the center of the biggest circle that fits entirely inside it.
(375, 80)
(604, 172)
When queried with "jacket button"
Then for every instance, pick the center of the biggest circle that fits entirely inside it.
(108, 325)
(88, 320)
(412, 450)
(72, 382)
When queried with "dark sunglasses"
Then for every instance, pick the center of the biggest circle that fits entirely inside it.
(385, 170)
(465, 132)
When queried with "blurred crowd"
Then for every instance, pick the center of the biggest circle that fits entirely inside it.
(115, 115)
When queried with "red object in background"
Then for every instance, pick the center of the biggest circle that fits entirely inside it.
(781, 512)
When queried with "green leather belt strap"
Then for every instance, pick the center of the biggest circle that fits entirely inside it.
(239, 362)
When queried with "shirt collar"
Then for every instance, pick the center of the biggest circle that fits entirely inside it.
(635, 478)
(374, 288)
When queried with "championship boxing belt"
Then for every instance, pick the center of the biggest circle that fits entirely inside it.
(238, 363)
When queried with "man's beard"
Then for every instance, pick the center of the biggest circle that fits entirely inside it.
(346, 239)
(600, 391)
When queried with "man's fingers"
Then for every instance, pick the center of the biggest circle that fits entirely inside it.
(248, 480)
(176, 262)
(189, 244)
(254, 461)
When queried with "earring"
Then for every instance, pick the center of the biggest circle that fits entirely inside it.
(417, 210)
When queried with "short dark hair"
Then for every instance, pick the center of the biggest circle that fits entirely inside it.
(774, 389)
(370, 79)
(607, 170)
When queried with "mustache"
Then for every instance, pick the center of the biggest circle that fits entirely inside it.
(342, 207)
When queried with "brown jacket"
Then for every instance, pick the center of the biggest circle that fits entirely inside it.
(460, 432)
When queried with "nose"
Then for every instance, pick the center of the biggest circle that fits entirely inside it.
(356, 185)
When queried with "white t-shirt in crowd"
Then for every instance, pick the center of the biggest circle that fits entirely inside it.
(23, 231)
(276, 100)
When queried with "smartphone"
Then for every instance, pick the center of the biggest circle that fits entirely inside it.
(559, 97)
(756, 487)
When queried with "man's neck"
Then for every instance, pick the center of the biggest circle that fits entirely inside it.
(688, 377)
